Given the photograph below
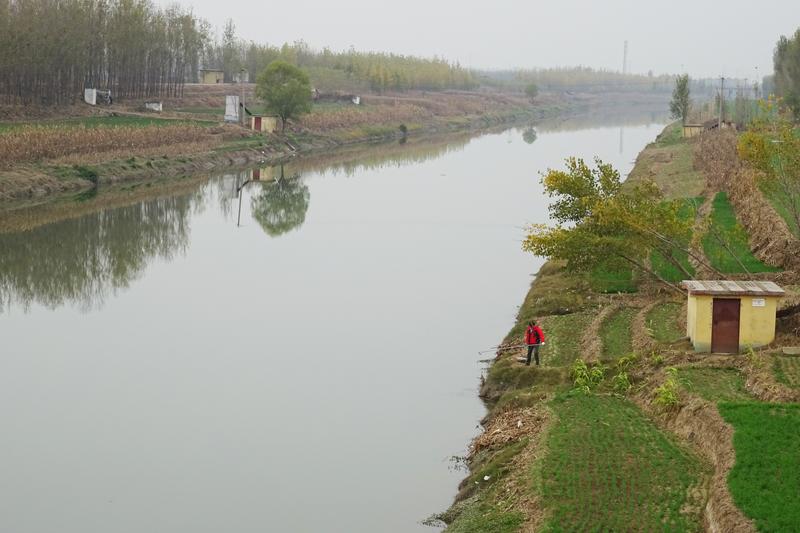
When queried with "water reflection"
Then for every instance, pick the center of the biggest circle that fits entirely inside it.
(80, 250)
(529, 135)
(80, 260)
(281, 205)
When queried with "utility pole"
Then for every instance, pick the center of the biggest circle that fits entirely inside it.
(721, 102)
(241, 85)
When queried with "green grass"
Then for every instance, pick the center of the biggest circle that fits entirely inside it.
(664, 268)
(606, 279)
(662, 321)
(723, 219)
(608, 467)
(787, 370)
(669, 162)
(716, 384)
(616, 333)
(563, 338)
(765, 481)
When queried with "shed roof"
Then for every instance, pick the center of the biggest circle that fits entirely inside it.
(733, 288)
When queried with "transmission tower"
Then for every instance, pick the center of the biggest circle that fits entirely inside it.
(625, 58)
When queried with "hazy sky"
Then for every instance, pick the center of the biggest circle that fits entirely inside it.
(703, 37)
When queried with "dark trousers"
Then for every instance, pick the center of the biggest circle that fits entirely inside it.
(533, 349)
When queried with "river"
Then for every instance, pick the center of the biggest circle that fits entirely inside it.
(301, 357)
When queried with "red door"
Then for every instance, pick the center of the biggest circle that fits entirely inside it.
(258, 123)
(725, 325)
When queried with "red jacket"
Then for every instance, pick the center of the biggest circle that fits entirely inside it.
(534, 335)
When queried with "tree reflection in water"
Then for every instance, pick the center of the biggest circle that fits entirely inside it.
(281, 205)
(80, 260)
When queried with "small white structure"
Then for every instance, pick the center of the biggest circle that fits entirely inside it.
(154, 106)
(231, 108)
(91, 96)
(357, 100)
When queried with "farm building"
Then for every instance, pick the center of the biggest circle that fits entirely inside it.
(264, 124)
(211, 76)
(730, 316)
(692, 130)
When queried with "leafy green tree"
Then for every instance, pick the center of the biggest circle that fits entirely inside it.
(285, 90)
(681, 104)
(600, 224)
(531, 91)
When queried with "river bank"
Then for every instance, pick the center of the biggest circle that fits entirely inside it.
(77, 152)
(553, 457)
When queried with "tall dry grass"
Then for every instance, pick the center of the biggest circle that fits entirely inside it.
(35, 143)
(357, 116)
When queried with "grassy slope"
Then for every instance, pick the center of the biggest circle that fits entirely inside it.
(723, 220)
(609, 467)
(616, 334)
(716, 384)
(662, 321)
(787, 370)
(606, 465)
(669, 162)
(510, 385)
(765, 481)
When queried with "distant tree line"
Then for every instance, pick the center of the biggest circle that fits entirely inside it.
(586, 79)
(344, 70)
(50, 50)
(787, 71)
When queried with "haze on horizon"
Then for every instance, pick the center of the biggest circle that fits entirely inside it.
(704, 38)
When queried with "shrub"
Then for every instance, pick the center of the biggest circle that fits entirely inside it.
(585, 378)
(667, 393)
(621, 384)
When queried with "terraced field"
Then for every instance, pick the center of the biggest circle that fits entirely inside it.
(609, 468)
(787, 370)
(726, 244)
(765, 480)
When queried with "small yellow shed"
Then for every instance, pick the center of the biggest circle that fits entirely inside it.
(692, 130)
(730, 316)
(265, 124)
(210, 76)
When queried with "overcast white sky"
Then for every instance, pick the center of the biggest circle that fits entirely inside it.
(703, 37)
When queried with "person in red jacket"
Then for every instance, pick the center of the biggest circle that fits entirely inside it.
(534, 337)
